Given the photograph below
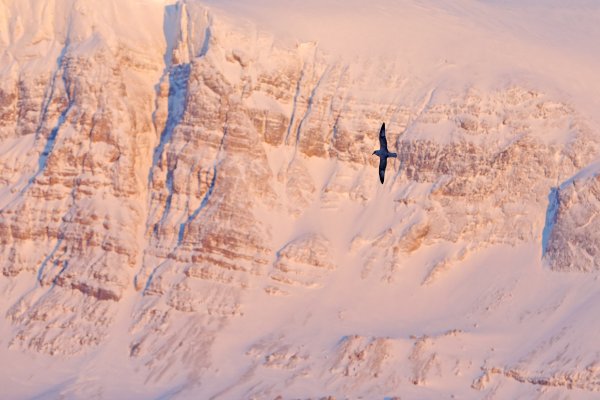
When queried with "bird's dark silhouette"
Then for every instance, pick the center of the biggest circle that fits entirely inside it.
(383, 153)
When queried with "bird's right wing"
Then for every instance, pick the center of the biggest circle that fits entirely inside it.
(382, 165)
(382, 139)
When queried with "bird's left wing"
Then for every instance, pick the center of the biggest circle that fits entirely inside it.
(382, 139)
(382, 165)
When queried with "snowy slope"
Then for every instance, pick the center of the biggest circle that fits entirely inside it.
(189, 207)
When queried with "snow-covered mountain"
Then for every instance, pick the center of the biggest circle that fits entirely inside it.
(190, 207)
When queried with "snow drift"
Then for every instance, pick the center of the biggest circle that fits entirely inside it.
(189, 206)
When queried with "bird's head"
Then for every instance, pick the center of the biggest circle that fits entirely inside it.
(375, 152)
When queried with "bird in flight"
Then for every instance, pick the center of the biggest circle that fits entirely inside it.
(383, 153)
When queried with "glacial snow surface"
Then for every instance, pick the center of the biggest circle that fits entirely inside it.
(189, 207)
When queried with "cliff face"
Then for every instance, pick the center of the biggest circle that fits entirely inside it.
(571, 241)
(76, 132)
(169, 186)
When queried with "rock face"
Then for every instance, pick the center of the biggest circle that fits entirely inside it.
(173, 177)
(302, 262)
(72, 211)
(572, 241)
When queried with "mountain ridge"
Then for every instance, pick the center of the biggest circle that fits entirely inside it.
(193, 207)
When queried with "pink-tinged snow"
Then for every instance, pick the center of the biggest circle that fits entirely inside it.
(490, 308)
(555, 44)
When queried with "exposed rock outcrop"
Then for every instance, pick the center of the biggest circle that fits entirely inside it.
(168, 183)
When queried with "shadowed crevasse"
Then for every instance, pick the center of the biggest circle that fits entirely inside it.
(551, 214)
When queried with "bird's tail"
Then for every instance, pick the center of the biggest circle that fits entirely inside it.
(394, 155)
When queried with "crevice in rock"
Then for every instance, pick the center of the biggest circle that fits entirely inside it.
(551, 214)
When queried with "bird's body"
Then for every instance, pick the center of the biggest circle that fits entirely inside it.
(383, 153)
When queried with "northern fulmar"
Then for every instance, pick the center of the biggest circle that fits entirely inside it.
(383, 153)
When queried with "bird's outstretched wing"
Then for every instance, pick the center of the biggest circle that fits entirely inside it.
(382, 139)
(382, 165)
